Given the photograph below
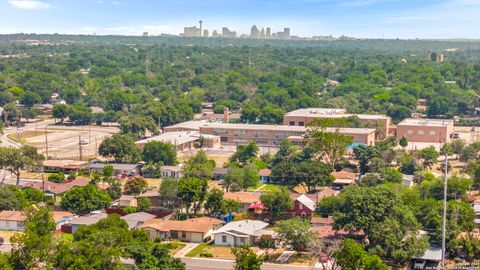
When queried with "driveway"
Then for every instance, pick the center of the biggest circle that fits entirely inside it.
(184, 251)
(215, 264)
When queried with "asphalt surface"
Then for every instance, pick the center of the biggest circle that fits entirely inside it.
(212, 264)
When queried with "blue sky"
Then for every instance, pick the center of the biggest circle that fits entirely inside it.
(359, 18)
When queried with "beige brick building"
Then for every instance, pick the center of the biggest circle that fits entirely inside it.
(272, 135)
(425, 130)
(302, 117)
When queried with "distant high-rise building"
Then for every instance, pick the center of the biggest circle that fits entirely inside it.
(228, 34)
(216, 34)
(201, 25)
(205, 33)
(269, 32)
(191, 32)
(145, 34)
(254, 32)
(262, 33)
(286, 33)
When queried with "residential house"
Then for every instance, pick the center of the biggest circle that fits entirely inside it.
(344, 178)
(407, 180)
(323, 228)
(219, 173)
(15, 220)
(52, 189)
(476, 209)
(264, 175)
(429, 260)
(244, 232)
(5, 240)
(171, 171)
(86, 220)
(135, 220)
(63, 165)
(118, 169)
(303, 206)
(153, 196)
(321, 221)
(194, 230)
(246, 199)
(127, 200)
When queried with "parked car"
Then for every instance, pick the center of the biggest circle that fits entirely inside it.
(419, 264)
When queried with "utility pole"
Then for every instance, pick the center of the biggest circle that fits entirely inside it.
(80, 148)
(444, 222)
(46, 143)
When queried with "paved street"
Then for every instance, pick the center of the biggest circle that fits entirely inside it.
(212, 264)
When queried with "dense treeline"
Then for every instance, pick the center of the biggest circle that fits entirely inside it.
(138, 84)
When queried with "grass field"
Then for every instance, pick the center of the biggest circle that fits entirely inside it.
(196, 251)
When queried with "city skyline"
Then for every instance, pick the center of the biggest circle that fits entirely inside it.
(306, 18)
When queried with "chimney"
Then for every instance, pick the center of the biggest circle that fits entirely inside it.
(226, 116)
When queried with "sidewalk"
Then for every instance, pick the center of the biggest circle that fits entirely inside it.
(184, 251)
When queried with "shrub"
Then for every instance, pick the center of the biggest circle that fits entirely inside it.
(129, 210)
(206, 254)
(83, 172)
(72, 175)
(57, 178)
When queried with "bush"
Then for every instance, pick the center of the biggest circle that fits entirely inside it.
(206, 254)
(83, 172)
(143, 204)
(129, 210)
(57, 178)
(72, 175)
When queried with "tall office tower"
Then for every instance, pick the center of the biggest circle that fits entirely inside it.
(269, 32)
(216, 34)
(254, 32)
(145, 34)
(191, 32)
(228, 34)
(262, 33)
(205, 33)
(201, 29)
(286, 33)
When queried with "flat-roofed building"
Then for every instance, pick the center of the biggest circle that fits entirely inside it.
(185, 126)
(182, 140)
(302, 117)
(425, 130)
(272, 135)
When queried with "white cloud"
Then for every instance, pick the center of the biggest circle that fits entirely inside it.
(30, 4)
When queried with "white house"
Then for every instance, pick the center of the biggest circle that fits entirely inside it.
(15, 220)
(171, 171)
(242, 232)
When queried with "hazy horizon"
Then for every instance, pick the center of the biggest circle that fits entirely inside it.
(390, 19)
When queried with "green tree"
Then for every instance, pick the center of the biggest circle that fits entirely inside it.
(295, 232)
(312, 174)
(245, 154)
(214, 200)
(352, 256)
(429, 156)
(246, 259)
(192, 191)
(80, 115)
(233, 179)
(115, 190)
(403, 142)
(328, 146)
(15, 160)
(83, 200)
(30, 99)
(57, 178)
(135, 186)
(34, 247)
(9, 199)
(143, 204)
(60, 111)
(277, 202)
(156, 152)
(169, 192)
(121, 147)
(199, 166)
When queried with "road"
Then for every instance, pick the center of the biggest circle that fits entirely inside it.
(212, 264)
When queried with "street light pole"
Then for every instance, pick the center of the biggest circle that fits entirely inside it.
(444, 224)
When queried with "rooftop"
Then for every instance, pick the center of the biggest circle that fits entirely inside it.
(243, 197)
(332, 113)
(62, 163)
(88, 219)
(116, 166)
(201, 224)
(20, 216)
(274, 128)
(426, 122)
(140, 216)
(174, 137)
(56, 188)
(191, 125)
(315, 111)
(243, 227)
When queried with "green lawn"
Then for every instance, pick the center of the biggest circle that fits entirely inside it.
(196, 251)
(265, 188)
